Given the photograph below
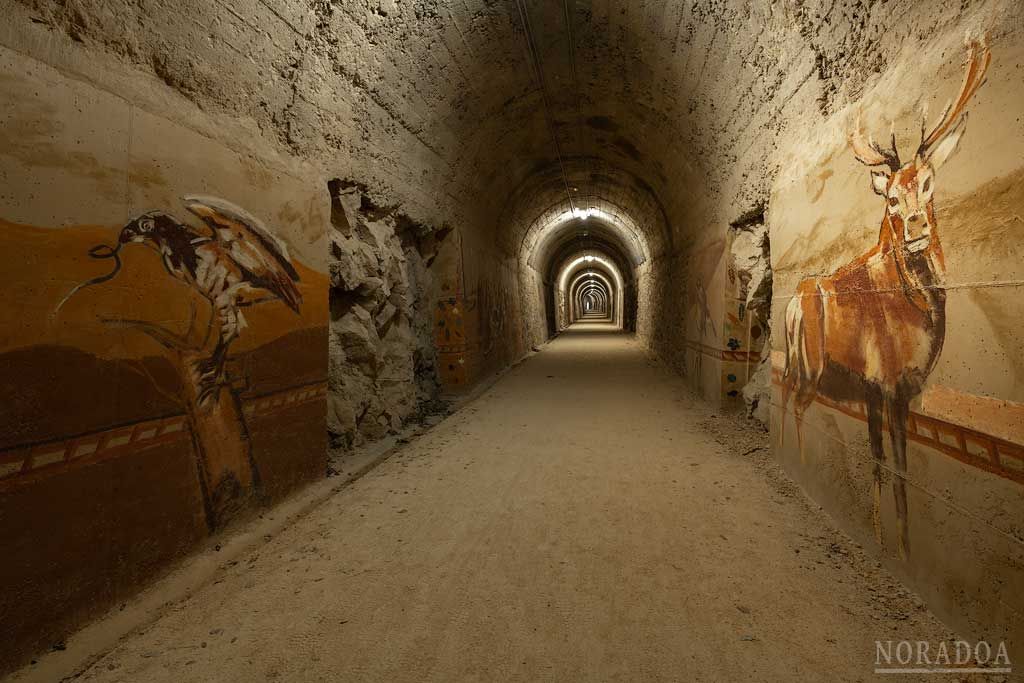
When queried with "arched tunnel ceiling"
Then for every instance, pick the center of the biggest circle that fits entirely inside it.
(570, 270)
(538, 106)
(617, 205)
(485, 114)
(560, 242)
(591, 279)
(504, 106)
(571, 140)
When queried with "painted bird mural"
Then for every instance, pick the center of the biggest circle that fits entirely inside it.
(235, 260)
(239, 258)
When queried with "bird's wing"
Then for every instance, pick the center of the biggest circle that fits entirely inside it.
(264, 257)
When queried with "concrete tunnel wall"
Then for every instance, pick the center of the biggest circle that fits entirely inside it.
(404, 155)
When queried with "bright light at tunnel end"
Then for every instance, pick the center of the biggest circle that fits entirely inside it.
(589, 258)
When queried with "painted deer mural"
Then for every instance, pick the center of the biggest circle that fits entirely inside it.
(872, 331)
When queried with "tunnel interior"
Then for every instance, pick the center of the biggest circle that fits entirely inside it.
(358, 215)
(586, 244)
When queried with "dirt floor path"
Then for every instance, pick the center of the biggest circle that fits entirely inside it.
(585, 519)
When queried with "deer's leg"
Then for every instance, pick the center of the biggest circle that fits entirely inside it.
(805, 352)
(798, 420)
(793, 375)
(898, 410)
(787, 389)
(805, 390)
(801, 401)
(791, 371)
(874, 409)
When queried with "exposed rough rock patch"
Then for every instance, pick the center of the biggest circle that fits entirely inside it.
(751, 261)
(382, 365)
(757, 393)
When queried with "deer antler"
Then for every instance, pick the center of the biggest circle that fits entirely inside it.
(869, 153)
(977, 63)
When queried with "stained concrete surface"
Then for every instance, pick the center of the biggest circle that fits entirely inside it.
(585, 519)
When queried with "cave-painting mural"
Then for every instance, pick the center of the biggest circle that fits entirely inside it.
(233, 264)
(873, 330)
(160, 349)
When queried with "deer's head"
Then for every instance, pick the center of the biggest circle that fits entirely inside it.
(908, 187)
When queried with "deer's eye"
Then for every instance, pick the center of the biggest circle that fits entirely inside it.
(894, 201)
(927, 185)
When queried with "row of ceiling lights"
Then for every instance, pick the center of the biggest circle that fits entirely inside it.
(531, 45)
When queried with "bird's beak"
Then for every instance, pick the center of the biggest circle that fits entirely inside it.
(126, 236)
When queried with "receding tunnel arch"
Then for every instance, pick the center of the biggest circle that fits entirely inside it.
(586, 204)
(591, 187)
(584, 283)
(592, 286)
(575, 270)
(592, 214)
(565, 232)
(591, 303)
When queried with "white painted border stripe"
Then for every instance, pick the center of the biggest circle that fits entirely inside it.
(948, 670)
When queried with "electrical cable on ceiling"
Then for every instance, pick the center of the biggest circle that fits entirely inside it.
(538, 68)
(575, 83)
